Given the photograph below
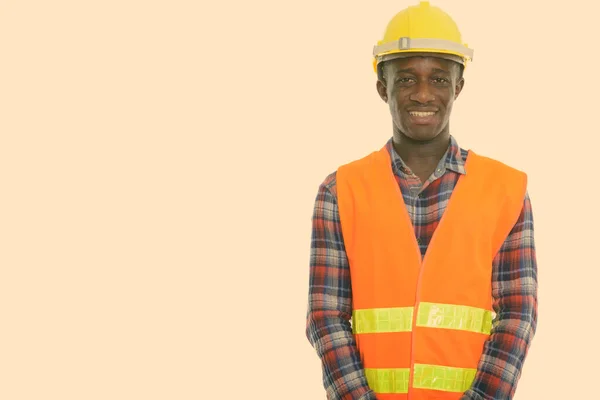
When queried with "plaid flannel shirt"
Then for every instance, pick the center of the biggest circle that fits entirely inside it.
(514, 285)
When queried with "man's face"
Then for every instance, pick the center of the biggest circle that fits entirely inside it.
(420, 92)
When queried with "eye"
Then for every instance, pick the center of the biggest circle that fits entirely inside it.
(404, 80)
(441, 80)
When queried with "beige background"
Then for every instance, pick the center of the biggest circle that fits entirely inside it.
(159, 162)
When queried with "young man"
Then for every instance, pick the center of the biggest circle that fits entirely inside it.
(423, 277)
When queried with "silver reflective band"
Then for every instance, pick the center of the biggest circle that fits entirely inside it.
(406, 43)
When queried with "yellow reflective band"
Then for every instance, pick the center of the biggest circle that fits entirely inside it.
(388, 380)
(432, 377)
(452, 316)
(448, 379)
(378, 320)
(430, 315)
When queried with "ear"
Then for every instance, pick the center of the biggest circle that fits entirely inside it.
(382, 90)
(459, 87)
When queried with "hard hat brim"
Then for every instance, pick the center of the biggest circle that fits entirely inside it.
(445, 56)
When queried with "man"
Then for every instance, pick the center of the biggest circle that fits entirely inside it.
(423, 276)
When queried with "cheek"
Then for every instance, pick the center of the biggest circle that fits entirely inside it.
(394, 107)
(395, 100)
(448, 105)
(396, 113)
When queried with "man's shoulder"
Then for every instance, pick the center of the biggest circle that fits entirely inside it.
(358, 166)
(330, 181)
(498, 165)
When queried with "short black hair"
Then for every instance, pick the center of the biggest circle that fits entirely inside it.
(381, 70)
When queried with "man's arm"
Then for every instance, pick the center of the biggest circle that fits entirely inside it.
(514, 289)
(330, 303)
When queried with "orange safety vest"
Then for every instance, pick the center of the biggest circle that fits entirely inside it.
(420, 324)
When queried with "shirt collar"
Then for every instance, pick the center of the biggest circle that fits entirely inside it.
(452, 160)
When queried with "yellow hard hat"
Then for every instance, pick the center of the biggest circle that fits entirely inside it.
(422, 29)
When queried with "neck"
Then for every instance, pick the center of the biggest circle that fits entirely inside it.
(421, 153)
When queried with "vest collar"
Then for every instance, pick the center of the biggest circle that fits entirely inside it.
(454, 159)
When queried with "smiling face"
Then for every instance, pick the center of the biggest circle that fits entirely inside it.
(420, 92)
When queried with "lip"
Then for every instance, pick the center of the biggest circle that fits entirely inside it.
(422, 110)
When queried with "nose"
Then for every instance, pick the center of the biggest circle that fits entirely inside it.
(422, 93)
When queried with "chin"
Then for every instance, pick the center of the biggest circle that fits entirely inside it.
(424, 135)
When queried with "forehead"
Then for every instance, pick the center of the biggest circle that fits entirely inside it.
(419, 64)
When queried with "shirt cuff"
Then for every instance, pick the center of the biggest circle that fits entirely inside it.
(370, 395)
(471, 395)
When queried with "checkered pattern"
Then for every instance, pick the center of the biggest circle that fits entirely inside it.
(514, 285)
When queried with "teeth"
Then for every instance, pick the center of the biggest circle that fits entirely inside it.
(421, 114)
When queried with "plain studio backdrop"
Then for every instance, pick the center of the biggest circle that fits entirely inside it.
(158, 166)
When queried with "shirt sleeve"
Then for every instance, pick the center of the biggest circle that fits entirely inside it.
(328, 327)
(514, 289)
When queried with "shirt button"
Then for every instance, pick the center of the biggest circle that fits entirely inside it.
(419, 240)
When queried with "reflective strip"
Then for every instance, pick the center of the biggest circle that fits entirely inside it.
(448, 379)
(433, 377)
(405, 43)
(430, 315)
(452, 316)
(387, 380)
(378, 320)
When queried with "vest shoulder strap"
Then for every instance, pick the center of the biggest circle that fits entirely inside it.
(506, 182)
(351, 180)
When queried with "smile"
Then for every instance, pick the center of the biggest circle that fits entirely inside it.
(422, 113)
